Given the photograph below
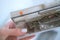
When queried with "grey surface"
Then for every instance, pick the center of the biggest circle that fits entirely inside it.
(49, 35)
(52, 34)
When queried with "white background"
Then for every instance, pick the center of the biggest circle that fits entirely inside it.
(7, 6)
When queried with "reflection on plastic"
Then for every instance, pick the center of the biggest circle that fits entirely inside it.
(49, 35)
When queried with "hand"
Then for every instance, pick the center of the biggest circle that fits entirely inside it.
(9, 32)
(27, 38)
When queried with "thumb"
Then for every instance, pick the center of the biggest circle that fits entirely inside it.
(10, 25)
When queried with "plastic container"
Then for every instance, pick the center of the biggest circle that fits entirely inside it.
(48, 35)
(35, 20)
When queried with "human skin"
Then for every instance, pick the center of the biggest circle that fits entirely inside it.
(10, 32)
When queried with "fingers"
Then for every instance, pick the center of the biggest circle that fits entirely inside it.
(27, 38)
(10, 25)
(16, 32)
(12, 31)
(11, 38)
(10, 28)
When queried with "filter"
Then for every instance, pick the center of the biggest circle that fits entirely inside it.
(36, 20)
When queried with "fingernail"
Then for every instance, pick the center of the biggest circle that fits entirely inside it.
(24, 30)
